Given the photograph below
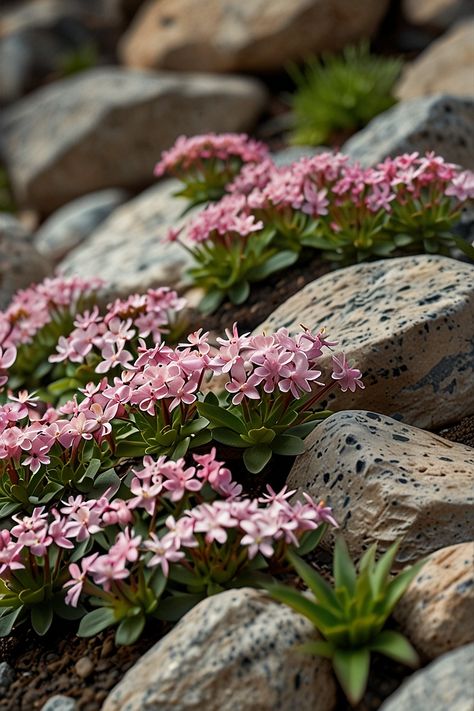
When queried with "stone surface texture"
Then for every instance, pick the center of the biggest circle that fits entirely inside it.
(20, 263)
(73, 223)
(444, 684)
(60, 703)
(129, 250)
(437, 610)
(387, 480)
(446, 66)
(234, 651)
(439, 14)
(440, 123)
(108, 126)
(408, 324)
(231, 35)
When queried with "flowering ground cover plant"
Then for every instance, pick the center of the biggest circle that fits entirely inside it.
(206, 164)
(352, 614)
(172, 534)
(273, 215)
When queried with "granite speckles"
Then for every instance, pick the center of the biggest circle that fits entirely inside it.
(410, 483)
(408, 324)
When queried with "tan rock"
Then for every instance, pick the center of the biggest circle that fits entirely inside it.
(387, 480)
(446, 66)
(233, 652)
(436, 13)
(230, 35)
(437, 610)
(407, 323)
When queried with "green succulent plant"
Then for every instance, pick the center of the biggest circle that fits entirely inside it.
(341, 93)
(351, 615)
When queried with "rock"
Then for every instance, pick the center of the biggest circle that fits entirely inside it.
(446, 66)
(437, 610)
(439, 14)
(409, 330)
(69, 226)
(233, 651)
(7, 675)
(20, 263)
(444, 684)
(129, 250)
(123, 120)
(84, 667)
(387, 480)
(439, 123)
(59, 703)
(293, 153)
(213, 35)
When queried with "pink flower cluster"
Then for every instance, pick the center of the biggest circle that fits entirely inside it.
(33, 308)
(193, 153)
(139, 316)
(223, 221)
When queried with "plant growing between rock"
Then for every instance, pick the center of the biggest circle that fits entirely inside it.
(351, 615)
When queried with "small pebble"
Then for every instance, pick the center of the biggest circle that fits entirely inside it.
(84, 667)
(7, 674)
(107, 647)
(60, 703)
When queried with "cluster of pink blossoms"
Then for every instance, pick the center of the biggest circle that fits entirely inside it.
(192, 153)
(33, 308)
(221, 221)
(138, 316)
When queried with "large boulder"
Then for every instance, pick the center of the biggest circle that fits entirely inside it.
(436, 14)
(231, 35)
(437, 610)
(439, 123)
(129, 250)
(444, 684)
(108, 126)
(445, 67)
(234, 651)
(385, 480)
(408, 324)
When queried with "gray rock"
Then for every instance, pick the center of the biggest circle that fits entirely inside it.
(444, 684)
(293, 153)
(387, 480)
(233, 652)
(73, 223)
(123, 120)
(59, 703)
(20, 263)
(129, 250)
(7, 675)
(408, 324)
(439, 123)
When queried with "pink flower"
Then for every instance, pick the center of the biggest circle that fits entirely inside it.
(297, 376)
(164, 551)
(125, 547)
(461, 186)
(259, 537)
(7, 358)
(179, 480)
(78, 575)
(9, 552)
(145, 494)
(242, 385)
(348, 378)
(107, 569)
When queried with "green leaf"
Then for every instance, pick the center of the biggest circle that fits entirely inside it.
(7, 621)
(398, 586)
(239, 292)
(158, 583)
(321, 618)
(464, 246)
(228, 437)
(41, 618)
(383, 567)
(288, 445)
(322, 591)
(173, 608)
(320, 648)
(344, 570)
(311, 540)
(211, 301)
(278, 261)
(352, 670)
(106, 480)
(195, 426)
(129, 630)
(181, 448)
(92, 469)
(96, 621)
(256, 458)
(396, 646)
(182, 575)
(218, 415)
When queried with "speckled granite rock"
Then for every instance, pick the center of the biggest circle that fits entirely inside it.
(444, 684)
(233, 652)
(438, 123)
(408, 324)
(386, 480)
(439, 14)
(129, 249)
(445, 66)
(60, 703)
(73, 223)
(20, 263)
(437, 610)
(123, 119)
(231, 35)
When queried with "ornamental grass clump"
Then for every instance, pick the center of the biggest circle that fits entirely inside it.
(351, 615)
(172, 534)
(206, 164)
(339, 94)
